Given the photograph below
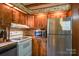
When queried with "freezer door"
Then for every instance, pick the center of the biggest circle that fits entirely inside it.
(59, 45)
(51, 26)
(56, 26)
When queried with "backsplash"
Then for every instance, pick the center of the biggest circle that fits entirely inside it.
(16, 34)
(28, 32)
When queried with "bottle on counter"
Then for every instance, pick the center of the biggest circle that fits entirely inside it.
(1, 36)
(4, 36)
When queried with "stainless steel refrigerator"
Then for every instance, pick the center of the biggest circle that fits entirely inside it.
(59, 37)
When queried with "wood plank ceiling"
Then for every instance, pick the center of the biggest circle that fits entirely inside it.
(40, 5)
(46, 7)
(32, 8)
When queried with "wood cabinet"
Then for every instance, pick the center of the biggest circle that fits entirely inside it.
(39, 46)
(31, 21)
(10, 15)
(5, 15)
(26, 19)
(1, 12)
(1, 15)
(37, 22)
(15, 16)
(41, 21)
(21, 18)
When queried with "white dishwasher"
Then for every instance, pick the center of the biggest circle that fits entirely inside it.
(24, 47)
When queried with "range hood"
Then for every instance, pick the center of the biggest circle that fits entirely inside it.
(14, 25)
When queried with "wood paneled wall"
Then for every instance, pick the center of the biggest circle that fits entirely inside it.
(75, 29)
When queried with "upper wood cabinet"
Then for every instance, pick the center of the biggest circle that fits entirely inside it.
(15, 16)
(21, 18)
(18, 17)
(10, 15)
(37, 22)
(31, 21)
(1, 12)
(41, 21)
(5, 15)
(26, 19)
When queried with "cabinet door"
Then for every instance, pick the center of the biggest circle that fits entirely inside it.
(6, 14)
(41, 21)
(26, 19)
(45, 22)
(1, 12)
(37, 22)
(21, 18)
(15, 16)
(31, 21)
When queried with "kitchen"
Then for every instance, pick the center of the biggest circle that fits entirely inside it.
(26, 29)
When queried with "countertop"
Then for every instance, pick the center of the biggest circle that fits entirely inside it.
(14, 41)
(7, 46)
(21, 39)
(5, 43)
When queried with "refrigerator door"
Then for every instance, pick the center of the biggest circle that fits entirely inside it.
(51, 26)
(59, 45)
(51, 44)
